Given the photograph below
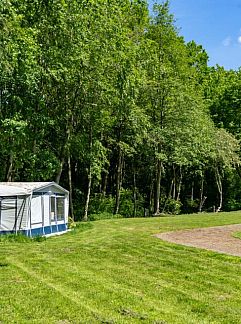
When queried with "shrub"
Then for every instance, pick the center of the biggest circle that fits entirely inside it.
(83, 226)
(71, 223)
(101, 204)
(105, 215)
(233, 204)
(191, 206)
(127, 203)
(173, 206)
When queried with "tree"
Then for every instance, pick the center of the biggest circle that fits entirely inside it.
(174, 103)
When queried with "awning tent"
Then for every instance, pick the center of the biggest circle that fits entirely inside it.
(33, 208)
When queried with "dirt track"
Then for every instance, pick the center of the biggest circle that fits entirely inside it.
(217, 238)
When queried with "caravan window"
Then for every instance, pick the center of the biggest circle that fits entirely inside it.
(60, 208)
(52, 208)
(57, 208)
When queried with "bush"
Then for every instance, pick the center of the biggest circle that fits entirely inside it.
(101, 204)
(102, 207)
(94, 217)
(233, 204)
(71, 223)
(191, 206)
(83, 226)
(127, 203)
(173, 206)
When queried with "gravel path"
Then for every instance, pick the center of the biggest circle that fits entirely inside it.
(217, 238)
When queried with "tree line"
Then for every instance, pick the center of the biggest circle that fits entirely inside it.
(107, 99)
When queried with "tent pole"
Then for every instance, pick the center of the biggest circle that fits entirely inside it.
(21, 211)
(16, 214)
(42, 210)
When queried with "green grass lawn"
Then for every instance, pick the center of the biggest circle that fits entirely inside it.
(115, 271)
(237, 235)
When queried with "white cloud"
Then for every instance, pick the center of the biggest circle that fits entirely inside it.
(239, 39)
(227, 41)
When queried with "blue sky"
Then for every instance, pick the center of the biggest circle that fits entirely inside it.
(214, 24)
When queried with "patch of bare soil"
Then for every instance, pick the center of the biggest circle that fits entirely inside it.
(218, 239)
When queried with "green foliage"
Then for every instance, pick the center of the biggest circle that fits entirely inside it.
(126, 204)
(191, 205)
(233, 204)
(71, 223)
(103, 215)
(107, 95)
(102, 204)
(172, 206)
(82, 227)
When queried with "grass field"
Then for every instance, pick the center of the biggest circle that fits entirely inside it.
(115, 271)
(237, 235)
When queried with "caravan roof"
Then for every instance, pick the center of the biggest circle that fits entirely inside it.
(28, 187)
(7, 191)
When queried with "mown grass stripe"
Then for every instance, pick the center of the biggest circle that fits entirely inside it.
(117, 272)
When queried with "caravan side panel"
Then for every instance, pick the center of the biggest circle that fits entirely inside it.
(36, 212)
(66, 206)
(8, 214)
(23, 204)
(46, 208)
(14, 213)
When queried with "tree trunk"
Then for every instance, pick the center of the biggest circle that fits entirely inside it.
(158, 188)
(70, 188)
(134, 191)
(10, 169)
(118, 181)
(174, 183)
(179, 185)
(202, 198)
(192, 192)
(220, 189)
(150, 198)
(60, 170)
(85, 218)
(104, 182)
(168, 197)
